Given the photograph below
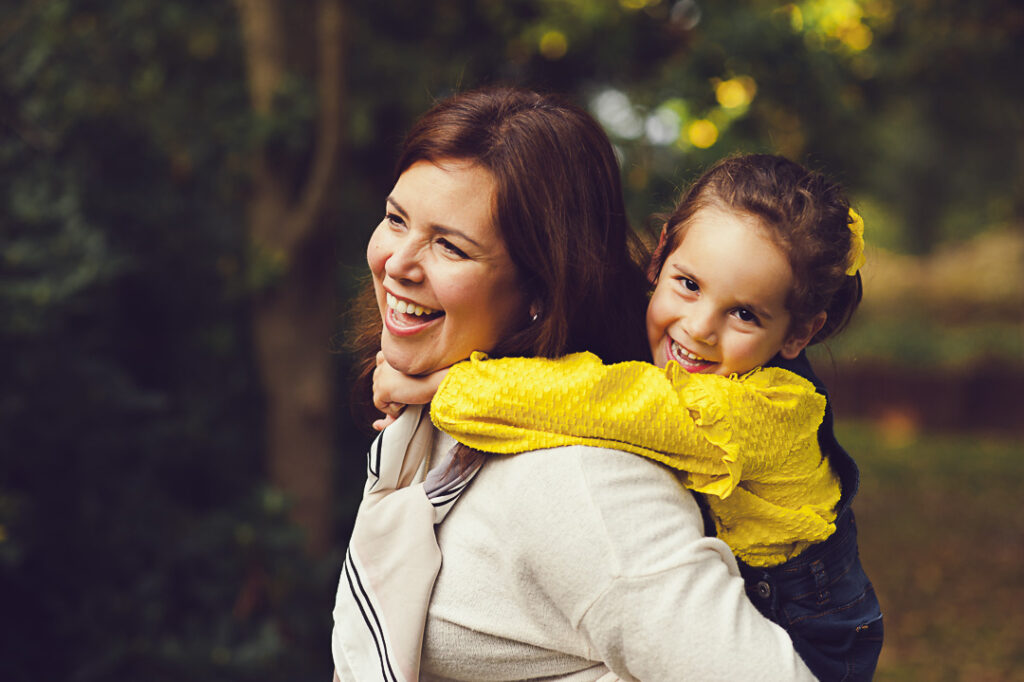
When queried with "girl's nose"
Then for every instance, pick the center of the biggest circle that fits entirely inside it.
(700, 325)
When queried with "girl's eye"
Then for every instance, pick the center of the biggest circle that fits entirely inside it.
(394, 219)
(451, 248)
(689, 284)
(747, 316)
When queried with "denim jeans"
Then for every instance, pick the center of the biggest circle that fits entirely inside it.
(827, 604)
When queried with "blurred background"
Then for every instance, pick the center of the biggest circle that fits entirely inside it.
(186, 192)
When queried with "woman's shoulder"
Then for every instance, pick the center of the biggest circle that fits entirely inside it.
(585, 468)
(635, 509)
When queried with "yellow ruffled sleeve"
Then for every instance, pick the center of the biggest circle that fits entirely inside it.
(716, 431)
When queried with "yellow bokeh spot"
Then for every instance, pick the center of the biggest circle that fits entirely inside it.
(553, 45)
(839, 25)
(702, 133)
(735, 92)
(856, 36)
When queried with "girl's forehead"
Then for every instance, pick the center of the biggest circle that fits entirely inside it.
(727, 224)
(734, 252)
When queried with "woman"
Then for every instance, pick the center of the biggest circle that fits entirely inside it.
(505, 232)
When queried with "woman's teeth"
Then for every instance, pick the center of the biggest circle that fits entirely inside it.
(683, 353)
(407, 307)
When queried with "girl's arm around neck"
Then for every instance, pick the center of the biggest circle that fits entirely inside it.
(711, 428)
(393, 390)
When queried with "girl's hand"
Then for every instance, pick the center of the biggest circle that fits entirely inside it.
(392, 390)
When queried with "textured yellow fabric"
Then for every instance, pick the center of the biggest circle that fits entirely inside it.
(749, 443)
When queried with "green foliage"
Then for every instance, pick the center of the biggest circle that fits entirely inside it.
(910, 106)
(134, 540)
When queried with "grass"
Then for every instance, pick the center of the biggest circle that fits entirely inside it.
(942, 538)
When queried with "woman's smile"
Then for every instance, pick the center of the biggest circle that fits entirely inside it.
(404, 317)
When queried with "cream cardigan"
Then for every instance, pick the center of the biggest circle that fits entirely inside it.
(582, 563)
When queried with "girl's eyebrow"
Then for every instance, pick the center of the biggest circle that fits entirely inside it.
(440, 229)
(684, 273)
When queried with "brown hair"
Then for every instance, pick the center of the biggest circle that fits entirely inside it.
(803, 212)
(560, 211)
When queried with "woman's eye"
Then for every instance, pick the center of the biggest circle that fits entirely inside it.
(394, 219)
(747, 316)
(451, 248)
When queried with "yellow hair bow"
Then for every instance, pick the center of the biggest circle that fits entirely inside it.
(856, 259)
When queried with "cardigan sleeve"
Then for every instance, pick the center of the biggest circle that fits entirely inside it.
(715, 430)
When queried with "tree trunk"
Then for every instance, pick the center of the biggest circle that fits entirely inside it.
(290, 235)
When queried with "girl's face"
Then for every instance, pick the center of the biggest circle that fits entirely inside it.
(444, 281)
(719, 305)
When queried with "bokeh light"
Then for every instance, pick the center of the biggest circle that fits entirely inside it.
(553, 45)
(735, 92)
(702, 133)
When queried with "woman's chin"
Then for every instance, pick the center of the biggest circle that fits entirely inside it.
(413, 364)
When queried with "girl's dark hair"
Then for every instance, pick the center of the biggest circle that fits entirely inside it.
(802, 211)
(560, 211)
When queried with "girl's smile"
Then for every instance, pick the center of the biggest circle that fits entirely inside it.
(689, 360)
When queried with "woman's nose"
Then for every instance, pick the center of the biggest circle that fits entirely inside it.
(404, 262)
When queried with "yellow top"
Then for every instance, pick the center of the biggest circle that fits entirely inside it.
(748, 443)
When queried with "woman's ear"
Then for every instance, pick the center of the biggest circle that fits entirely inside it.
(800, 337)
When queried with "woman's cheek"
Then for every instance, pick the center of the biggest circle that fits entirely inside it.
(376, 252)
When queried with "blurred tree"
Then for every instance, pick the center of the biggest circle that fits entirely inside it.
(291, 236)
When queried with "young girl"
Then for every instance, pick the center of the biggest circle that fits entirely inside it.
(760, 259)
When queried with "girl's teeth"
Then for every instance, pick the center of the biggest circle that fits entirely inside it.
(406, 307)
(679, 350)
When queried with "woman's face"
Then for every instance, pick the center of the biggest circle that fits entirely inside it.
(444, 281)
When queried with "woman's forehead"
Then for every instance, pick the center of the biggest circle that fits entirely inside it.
(454, 195)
